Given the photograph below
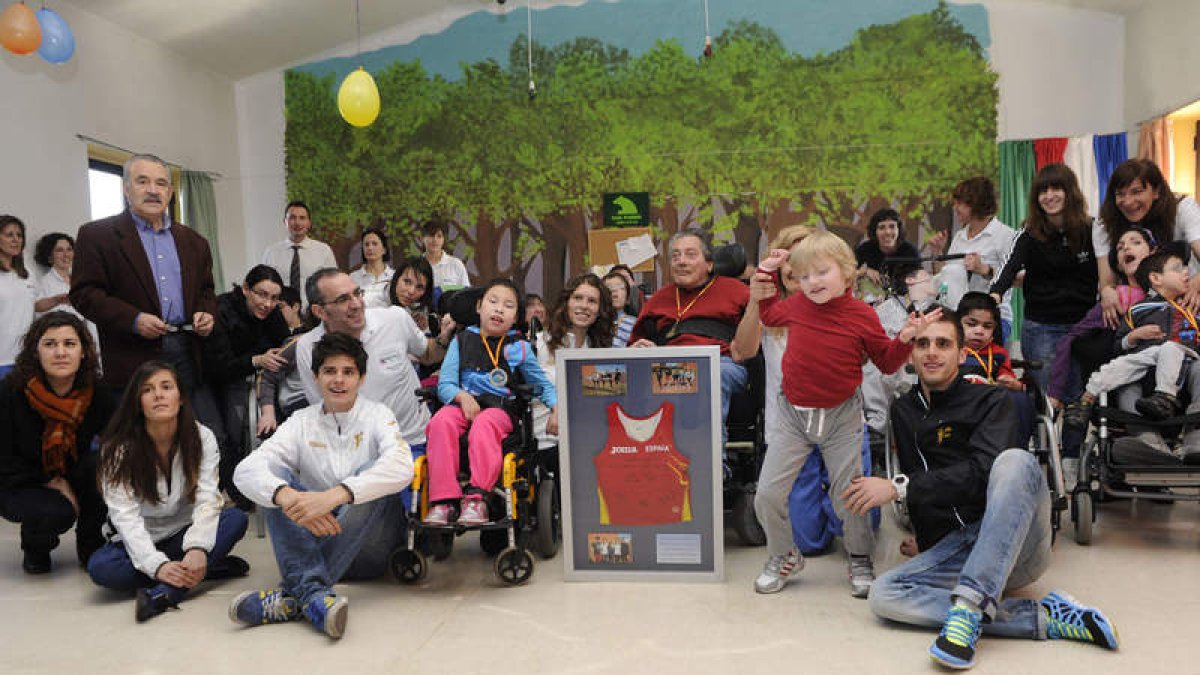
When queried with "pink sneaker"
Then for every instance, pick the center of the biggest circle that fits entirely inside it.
(438, 515)
(474, 512)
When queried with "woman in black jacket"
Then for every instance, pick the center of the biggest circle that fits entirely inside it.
(1055, 252)
(50, 412)
(249, 331)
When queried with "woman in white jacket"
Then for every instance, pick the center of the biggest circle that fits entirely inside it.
(158, 475)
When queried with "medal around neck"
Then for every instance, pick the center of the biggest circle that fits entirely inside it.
(498, 377)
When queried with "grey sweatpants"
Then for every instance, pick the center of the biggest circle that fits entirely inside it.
(839, 432)
(1167, 360)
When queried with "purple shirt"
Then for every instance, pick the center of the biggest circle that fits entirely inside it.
(164, 265)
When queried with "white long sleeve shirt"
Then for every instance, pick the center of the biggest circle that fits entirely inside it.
(361, 449)
(140, 524)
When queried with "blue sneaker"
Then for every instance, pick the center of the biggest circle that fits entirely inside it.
(1067, 619)
(328, 615)
(255, 608)
(955, 645)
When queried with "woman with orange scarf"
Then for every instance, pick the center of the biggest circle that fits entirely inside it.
(50, 412)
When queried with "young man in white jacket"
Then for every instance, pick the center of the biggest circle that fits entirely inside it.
(330, 479)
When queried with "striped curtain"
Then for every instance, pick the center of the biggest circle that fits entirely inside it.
(1017, 167)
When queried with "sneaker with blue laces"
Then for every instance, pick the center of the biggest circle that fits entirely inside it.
(329, 615)
(256, 608)
(1067, 619)
(955, 645)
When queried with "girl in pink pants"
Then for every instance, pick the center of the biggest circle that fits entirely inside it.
(480, 364)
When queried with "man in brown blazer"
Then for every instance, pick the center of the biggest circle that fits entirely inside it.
(145, 281)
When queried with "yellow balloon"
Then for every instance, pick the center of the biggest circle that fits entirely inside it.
(358, 98)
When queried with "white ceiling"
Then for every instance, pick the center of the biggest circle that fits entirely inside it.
(237, 38)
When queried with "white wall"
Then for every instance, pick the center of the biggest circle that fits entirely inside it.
(1160, 65)
(1061, 74)
(1061, 70)
(124, 90)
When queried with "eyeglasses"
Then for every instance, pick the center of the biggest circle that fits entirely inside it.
(344, 299)
(265, 296)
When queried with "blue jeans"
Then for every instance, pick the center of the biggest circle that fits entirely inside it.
(734, 378)
(111, 567)
(1008, 548)
(311, 565)
(1039, 341)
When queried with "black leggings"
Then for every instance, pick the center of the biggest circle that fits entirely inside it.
(44, 513)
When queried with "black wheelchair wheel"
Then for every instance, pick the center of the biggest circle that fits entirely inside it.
(493, 541)
(548, 535)
(408, 567)
(745, 522)
(1083, 514)
(514, 566)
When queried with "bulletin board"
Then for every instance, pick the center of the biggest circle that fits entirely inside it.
(640, 463)
(602, 246)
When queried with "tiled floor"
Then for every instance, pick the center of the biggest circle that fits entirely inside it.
(1143, 570)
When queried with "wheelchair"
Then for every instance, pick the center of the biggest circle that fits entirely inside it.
(528, 493)
(1043, 441)
(745, 447)
(1105, 474)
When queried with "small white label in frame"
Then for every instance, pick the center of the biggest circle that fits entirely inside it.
(677, 549)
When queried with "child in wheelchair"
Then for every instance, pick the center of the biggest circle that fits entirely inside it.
(482, 363)
(1160, 337)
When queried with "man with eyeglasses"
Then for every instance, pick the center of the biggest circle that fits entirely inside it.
(980, 509)
(391, 339)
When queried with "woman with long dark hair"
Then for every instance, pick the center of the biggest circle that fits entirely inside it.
(158, 475)
(583, 317)
(885, 239)
(619, 288)
(50, 411)
(375, 275)
(1139, 197)
(1054, 250)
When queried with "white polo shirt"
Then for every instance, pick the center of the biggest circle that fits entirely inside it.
(390, 337)
(992, 244)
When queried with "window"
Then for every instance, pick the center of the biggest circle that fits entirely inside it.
(104, 189)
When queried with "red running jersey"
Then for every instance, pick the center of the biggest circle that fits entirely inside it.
(640, 477)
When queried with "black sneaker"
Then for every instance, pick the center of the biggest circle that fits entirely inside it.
(36, 562)
(1158, 406)
(229, 567)
(151, 602)
(1077, 415)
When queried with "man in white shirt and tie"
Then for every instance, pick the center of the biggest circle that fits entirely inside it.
(298, 256)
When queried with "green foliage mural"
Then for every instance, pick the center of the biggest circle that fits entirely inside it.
(744, 142)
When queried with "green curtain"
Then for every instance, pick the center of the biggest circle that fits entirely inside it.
(201, 215)
(1017, 167)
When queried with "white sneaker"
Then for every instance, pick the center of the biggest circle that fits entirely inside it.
(862, 575)
(778, 569)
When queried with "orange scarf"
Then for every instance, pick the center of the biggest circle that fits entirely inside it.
(62, 416)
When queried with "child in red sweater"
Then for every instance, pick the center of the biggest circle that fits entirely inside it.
(987, 361)
(830, 333)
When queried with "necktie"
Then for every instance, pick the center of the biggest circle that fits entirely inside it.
(294, 273)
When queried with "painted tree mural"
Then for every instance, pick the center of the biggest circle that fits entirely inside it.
(745, 142)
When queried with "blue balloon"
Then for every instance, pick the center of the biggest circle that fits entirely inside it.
(58, 43)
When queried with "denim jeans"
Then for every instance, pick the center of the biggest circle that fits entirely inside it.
(311, 565)
(111, 567)
(1008, 548)
(1039, 341)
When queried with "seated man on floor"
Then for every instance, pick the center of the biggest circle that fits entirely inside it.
(980, 509)
(330, 479)
(697, 308)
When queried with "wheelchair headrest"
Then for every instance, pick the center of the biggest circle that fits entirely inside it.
(461, 304)
(729, 260)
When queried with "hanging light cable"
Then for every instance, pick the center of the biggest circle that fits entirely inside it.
(708, 51)
(358, 97)
(529, 45)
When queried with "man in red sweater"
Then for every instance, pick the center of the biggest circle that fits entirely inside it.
(697, 309)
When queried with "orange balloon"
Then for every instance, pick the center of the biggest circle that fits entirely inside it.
(19, 29)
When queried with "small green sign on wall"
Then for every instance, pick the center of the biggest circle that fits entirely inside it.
(626, 209)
